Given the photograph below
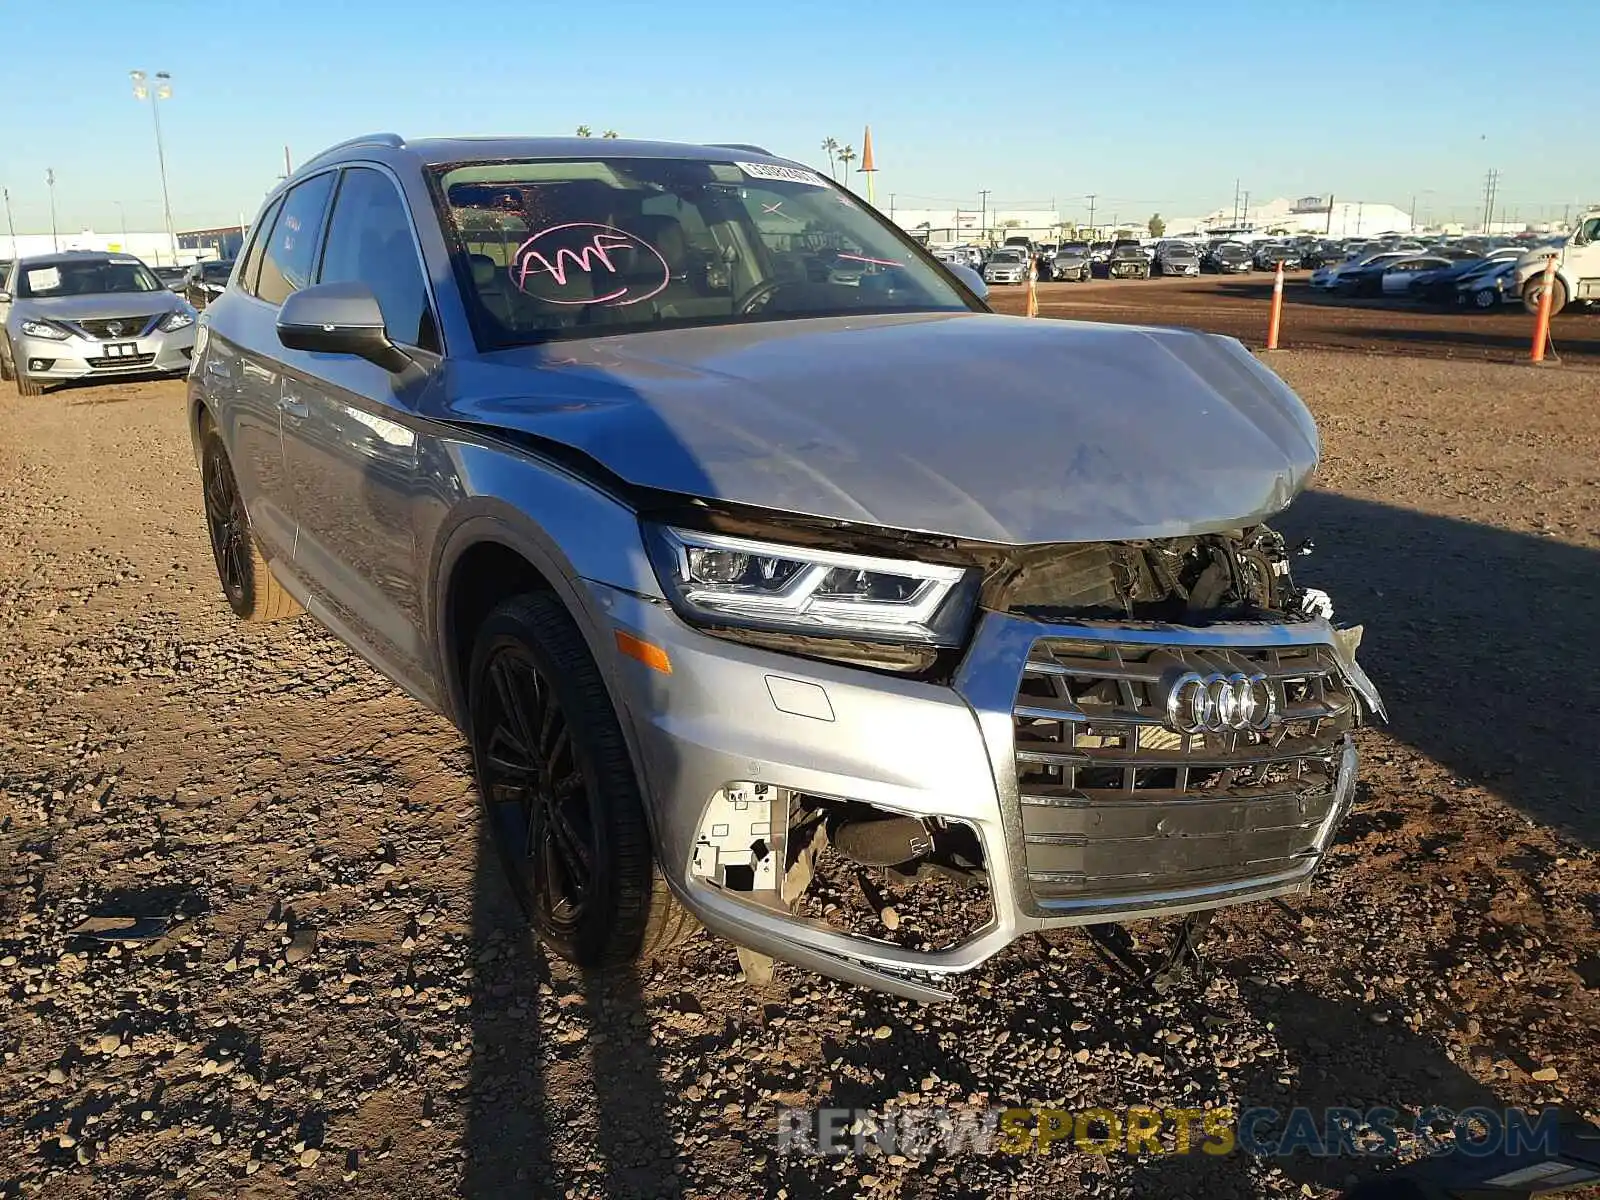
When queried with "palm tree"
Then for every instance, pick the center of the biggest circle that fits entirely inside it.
(831, 146)
(584, 131)
(847, 156)
(610, 133)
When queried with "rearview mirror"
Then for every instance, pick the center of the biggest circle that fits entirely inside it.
(971, 278)
(339, 318)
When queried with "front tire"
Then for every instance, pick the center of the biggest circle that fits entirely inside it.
(559, 791)
(1532, 289)
(247, 582)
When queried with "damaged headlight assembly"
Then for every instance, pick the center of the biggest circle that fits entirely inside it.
(883, 612)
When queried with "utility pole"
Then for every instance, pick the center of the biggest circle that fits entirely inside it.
(122, 216)
(1235, 203)
(11, 225)
(1244, 212)
(1490, 184)
(287, 169)
(891, 206)
(983, 214)
(50, 181)
(1092, 197)
(1328, 232)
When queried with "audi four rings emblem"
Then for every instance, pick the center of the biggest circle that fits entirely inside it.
(1219, 703)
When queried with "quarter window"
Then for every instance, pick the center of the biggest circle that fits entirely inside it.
(258, 243)
(290, 255)
(369, 241)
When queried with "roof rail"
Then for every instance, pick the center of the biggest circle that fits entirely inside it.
(391, 140)
(741, 146)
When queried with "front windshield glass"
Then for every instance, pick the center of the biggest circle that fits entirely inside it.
(586, 247)
(94, 277)
(1010, 256)
(1075, 248)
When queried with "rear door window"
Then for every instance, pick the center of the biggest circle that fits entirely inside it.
(290, 255)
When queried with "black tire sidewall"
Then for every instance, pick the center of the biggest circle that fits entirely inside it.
(539, 626)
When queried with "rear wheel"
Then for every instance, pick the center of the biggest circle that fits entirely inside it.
(559, 792)
(1535, 287)
(1487, 298)
(247, 582)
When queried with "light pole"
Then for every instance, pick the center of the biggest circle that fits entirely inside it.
(50, 182)
(122, 215)
(162, 91)
(983, 215)
(11, 225)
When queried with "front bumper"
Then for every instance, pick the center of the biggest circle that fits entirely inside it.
(77, 357)
(727, 713)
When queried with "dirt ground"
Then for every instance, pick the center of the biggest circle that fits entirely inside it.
(326, 993)
(1237, 305)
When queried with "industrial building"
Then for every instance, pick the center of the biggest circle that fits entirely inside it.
(199, 245)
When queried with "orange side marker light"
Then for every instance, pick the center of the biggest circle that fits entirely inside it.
(650, 655)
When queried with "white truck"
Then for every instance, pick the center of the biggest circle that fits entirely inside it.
(1577, 267)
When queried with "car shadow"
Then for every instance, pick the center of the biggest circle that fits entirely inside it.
(1484, 642)
(606, 1123)
(1344, 1058)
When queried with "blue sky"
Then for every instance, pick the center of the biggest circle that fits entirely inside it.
(1032, 100)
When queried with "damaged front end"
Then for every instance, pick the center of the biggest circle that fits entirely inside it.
(1166, 727)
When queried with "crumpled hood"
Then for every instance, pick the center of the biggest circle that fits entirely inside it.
(970, 425)
(104, 305)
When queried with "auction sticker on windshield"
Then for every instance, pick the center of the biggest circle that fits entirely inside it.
(782, 174)
(44, 279)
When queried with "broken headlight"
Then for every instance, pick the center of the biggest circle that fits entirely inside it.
(713, 579)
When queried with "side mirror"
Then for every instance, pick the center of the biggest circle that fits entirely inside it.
(5, 296)
(339, 318)
(971, 278)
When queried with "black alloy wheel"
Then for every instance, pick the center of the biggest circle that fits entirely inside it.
(559, 793)
(535, 791)
(229, 526)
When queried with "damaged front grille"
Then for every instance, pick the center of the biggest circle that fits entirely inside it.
(1116, 799)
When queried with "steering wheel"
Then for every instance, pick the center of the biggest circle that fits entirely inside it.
(756, 296)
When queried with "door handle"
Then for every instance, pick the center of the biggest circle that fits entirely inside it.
(293, 406)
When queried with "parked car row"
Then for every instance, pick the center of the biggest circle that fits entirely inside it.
(1432, 276)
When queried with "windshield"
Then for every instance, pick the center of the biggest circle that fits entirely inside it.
(585, 247)
(216, 272)
(1007, 256)
(1179, 248)
(94, 277)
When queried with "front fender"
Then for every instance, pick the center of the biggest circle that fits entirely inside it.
(567, 529)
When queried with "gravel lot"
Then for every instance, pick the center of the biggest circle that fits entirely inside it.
(326, 996)
(1237, 305)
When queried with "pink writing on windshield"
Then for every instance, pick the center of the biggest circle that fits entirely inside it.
(586, 263)
(875, 262)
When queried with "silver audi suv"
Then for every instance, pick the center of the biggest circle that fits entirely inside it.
(742, 578)
(81, 314)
